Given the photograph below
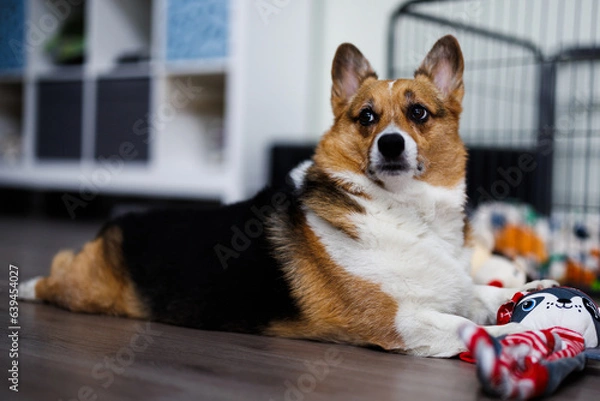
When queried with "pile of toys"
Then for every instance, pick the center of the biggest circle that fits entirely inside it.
(513, 244)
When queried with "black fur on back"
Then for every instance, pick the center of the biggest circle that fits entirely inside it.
(193, 267)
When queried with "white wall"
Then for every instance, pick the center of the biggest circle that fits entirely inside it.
(271, 95)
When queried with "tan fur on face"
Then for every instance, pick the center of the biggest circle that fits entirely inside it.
(440, 148)
(92, 281)
(437, 85)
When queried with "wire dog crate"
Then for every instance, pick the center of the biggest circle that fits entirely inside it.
(531, 115)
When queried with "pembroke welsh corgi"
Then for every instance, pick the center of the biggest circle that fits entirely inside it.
(366, 245)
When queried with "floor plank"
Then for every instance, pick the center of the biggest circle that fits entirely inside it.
(67, 356)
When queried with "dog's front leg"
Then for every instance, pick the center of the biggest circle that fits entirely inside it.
(435, 334)
(430, 333)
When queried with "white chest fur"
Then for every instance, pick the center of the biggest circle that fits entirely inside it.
(410, 243)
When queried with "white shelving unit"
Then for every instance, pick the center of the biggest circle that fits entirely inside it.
(203, 140)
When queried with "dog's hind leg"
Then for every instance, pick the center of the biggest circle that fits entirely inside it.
(29, 291)
(94, 280)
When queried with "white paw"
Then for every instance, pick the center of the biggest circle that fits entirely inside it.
(539, 285)
(27, 289)
(466, 332)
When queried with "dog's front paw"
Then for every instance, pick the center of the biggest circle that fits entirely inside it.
(539, 285)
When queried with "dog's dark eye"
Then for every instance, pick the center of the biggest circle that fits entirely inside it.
(418, 113)
(367, 117)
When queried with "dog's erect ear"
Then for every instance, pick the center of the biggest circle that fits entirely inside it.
(444, 65)
(350, 68)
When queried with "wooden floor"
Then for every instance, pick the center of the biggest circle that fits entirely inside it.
(66, 356)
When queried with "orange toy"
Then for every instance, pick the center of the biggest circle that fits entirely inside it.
(513, 241)
(577, 274)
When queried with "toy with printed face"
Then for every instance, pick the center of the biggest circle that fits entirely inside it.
(562, 330)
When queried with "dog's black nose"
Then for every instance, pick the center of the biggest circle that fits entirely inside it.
(564, 301)
(391, 145)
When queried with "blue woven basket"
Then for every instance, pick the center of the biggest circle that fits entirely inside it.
(12, 44)
(197, 29)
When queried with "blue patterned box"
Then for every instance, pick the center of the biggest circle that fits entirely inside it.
(197, 29)
(12, 46)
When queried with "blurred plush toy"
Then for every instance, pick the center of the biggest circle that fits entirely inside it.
(564, 330)
(576, 261)
(513, 240)
(577, 273)
(513, 230)
(496, 270)
(564, 247)
(487, 267)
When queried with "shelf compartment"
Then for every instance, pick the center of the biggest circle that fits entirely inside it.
(59, 121)
(188, 123)
(12, 29)
(45, 20)
(122, 106)
(130, 25)
(11, 122)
